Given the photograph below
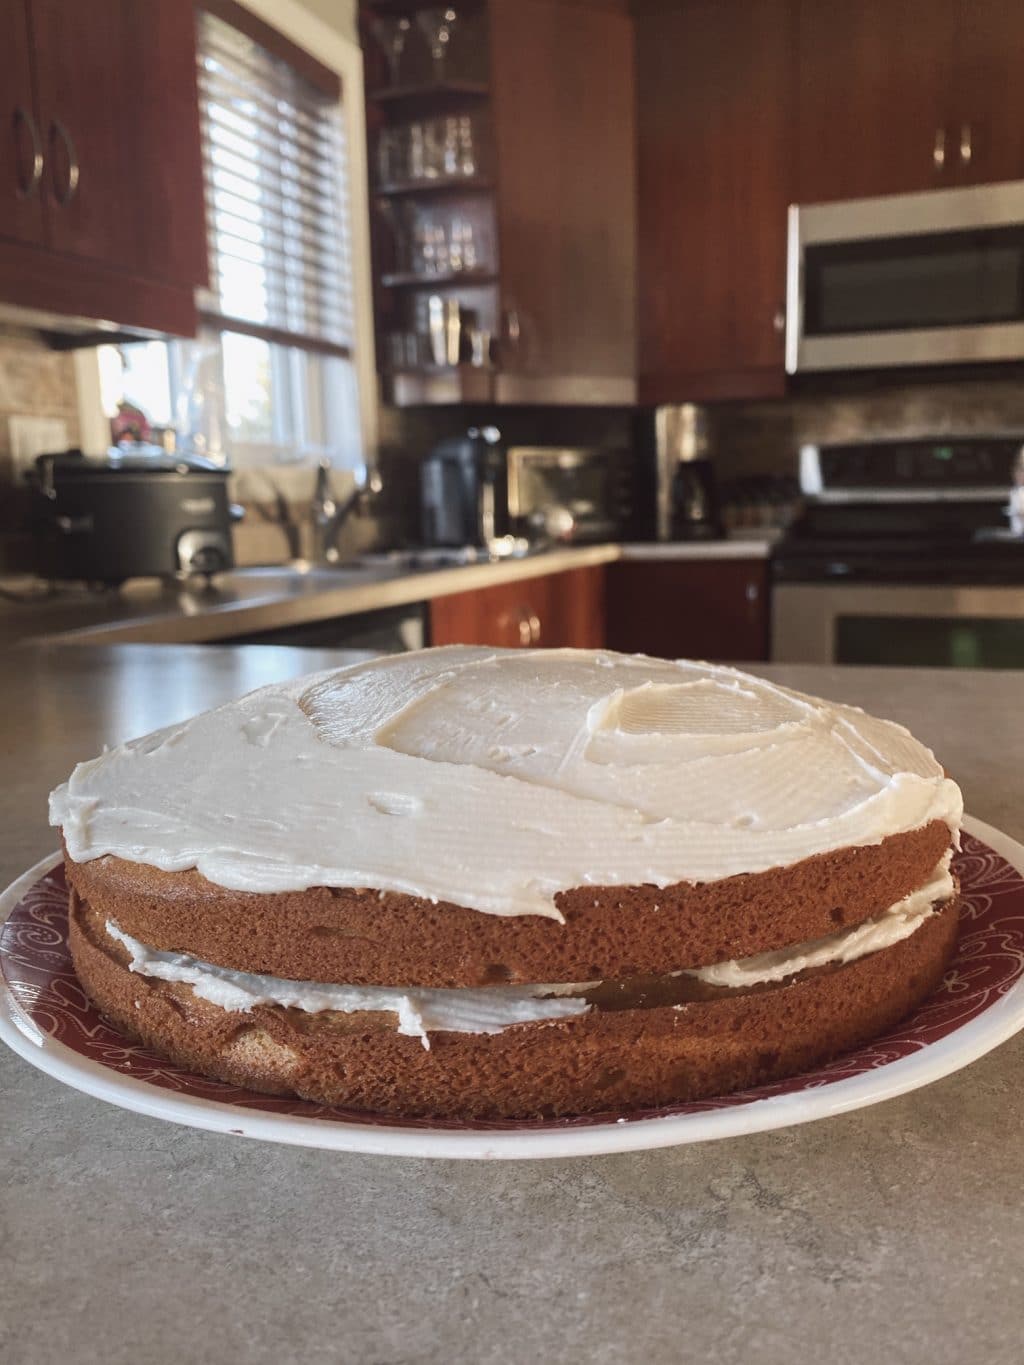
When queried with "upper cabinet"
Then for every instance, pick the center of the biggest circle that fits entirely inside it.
(874, 89)
(564, 133)
(101, 172)
(987, 125)
(898, 96)
(21, 144)
(716, 98)
(502, 153)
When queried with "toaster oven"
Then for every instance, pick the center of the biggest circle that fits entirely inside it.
(568, 493)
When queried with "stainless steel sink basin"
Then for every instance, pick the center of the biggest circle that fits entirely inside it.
(291, 580)
(299, 570)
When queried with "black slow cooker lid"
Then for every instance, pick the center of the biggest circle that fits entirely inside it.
(73, 462)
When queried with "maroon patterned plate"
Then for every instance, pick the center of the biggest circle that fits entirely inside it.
(46, 1018)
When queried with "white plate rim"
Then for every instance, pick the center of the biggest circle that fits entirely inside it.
(999, 1022)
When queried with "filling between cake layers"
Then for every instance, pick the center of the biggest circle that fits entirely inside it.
(491, 1009)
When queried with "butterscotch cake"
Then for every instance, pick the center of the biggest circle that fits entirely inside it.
(484, 883)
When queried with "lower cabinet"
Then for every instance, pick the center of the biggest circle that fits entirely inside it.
(714, 609)
(553, 611)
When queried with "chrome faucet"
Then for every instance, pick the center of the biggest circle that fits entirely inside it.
(329, 516)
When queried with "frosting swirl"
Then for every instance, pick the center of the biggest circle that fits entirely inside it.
(495, 779)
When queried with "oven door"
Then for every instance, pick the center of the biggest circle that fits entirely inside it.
(920, 626)
(915, 279)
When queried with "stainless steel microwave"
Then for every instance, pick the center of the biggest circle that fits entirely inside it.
(912, 279)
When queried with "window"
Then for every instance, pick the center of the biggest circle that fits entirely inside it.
(270, 380)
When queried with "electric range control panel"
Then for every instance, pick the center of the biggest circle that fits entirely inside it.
(957, 469)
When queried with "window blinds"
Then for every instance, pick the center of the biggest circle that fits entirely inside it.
(273, 160)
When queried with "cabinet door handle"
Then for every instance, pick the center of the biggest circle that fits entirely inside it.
(66, 192)
(939, 149)
(966, 144)
(535, 628)
(513, 329)
(752, 592)
(28, 185)
(510, 342)
(779, 320)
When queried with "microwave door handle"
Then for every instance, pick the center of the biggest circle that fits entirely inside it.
(794, 319)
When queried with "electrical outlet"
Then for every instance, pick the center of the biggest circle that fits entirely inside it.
(32, 436)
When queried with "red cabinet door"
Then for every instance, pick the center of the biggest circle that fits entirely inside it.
(876, 97)
(564, 125)
(21, 146)
(553, 611)
(987, 99)
(715, 89)
(120, 127)
(690, 609)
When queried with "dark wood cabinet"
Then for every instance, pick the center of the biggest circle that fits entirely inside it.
(553, 611)
(21, 146)
(714, 609)
(114, 225)
(117, 97)
(716, 85)
(562, 101)
(898, 96)
(988, 127)
(874, 96)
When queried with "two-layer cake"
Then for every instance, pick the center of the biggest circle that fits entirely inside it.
(477, 882)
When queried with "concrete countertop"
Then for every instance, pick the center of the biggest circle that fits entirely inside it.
(258, 599)
(891, 1235)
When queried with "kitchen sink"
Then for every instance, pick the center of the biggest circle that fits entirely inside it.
(296, 579)
(298, 570)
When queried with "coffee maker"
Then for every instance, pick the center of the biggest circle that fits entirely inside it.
(464, 491)
(677, 497)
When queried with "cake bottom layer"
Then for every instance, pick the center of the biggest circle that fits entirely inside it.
(603, 1060)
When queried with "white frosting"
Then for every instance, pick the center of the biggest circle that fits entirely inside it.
(420, 1010)
(494, 779)
(490, 1009)
(898, 923)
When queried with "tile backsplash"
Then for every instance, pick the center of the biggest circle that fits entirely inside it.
(34, 382)
(763, 438)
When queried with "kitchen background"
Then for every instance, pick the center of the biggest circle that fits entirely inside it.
(556, 218)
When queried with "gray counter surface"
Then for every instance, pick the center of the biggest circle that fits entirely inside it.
(256, 599)
(888, 1235)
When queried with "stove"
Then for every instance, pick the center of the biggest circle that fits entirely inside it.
(903, 553)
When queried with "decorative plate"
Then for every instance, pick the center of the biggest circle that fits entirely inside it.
(46, 1018)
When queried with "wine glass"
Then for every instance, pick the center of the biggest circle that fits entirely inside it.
(437, 25)
(391, 35)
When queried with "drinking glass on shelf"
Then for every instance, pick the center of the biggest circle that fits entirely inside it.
(461, 246)
(391, 35)
(432, 251)
(437, 25)
(434, 148)
(415, 151)
(405, 351)
(465, 151)
(450, 147)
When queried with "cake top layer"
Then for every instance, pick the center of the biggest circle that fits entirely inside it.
(494, 779)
